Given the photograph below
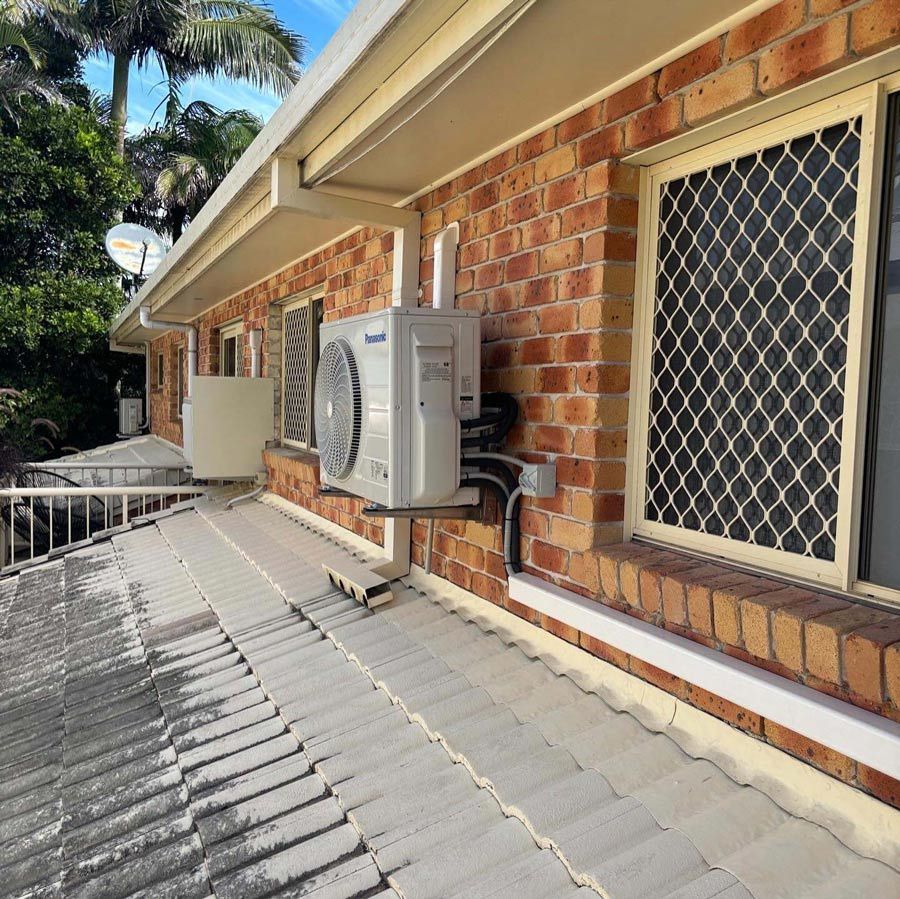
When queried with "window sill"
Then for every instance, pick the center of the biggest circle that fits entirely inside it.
(824, 641)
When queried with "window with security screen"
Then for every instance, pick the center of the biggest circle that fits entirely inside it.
(750, 343)
(299, 352)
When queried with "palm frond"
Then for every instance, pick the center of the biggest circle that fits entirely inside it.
(237, 39)
(19, 81)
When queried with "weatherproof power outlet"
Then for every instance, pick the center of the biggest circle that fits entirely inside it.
(538, 479)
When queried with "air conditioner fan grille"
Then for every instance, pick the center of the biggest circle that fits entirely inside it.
(338, 409)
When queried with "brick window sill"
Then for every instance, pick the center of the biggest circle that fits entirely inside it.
(846, 650)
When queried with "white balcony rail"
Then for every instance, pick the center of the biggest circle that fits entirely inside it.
(113, 474)
(36, 520)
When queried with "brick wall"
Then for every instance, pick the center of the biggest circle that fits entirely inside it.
(547, 253)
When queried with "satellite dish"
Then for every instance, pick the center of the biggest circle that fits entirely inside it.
(134, 248)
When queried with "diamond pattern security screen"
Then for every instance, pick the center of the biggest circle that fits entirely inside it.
(300, 329)
(749, 348)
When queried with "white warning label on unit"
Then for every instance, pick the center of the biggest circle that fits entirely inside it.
(434, 371)
(465, 384)
(466, 407)
(378, 470)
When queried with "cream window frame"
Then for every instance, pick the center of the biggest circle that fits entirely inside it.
(308, 300)
(869, 102)
(232, 331)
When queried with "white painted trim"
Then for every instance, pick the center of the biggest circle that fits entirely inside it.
(861, 735)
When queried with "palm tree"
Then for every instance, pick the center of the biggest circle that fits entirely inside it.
(22, 55)
(239, 39)
(206, 143)
(180, 163)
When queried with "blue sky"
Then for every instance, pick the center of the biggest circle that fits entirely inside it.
(316, 20)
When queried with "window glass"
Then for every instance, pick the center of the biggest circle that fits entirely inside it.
(880, 562)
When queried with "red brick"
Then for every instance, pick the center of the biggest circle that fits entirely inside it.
(864, 658)
(655, 124)
(824, 634)
(617, 246)
(549, 557)
(519, 324)
(576, 410)
(525, 265)
(553, 440)
(577, 347)
(564, 192)
(559, 379)
(537, 145)
(699, 601)
(541, 231)
(788, 629)
(484, 196)
(674, 589)
(601, 378)
(580, 123)
(489, 275)
(538, 291)
(561, 255)
(611, 176)
(659, 678)
(732, 90)
(756, 618)
(571, 534)
(559, 629)
(605, 651)
(885, 787)
(527, 206)
(555, 164)
(761, 30)
(556, 318)
(892, 673)
(690, 67)
(504, 243)
(835, 763)
(827, 7)
(631, 98)
(488, 588)
(516, 181)
(808, 55)
(606, 313)
(537, 351)
(726, 607)
(735, 715)
(604, 144)
(875, 27)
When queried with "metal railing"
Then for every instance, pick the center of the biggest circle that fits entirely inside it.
(36, 520)
(104, 473)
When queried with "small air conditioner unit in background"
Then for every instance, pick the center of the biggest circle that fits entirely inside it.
(130, 416)
(391, 389)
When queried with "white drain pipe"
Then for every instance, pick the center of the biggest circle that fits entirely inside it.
(445, 244)
(255, 352)
(158, 324)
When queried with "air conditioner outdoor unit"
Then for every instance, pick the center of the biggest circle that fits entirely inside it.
(130, 416)
(391, 389)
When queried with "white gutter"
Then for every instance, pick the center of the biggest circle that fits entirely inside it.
(158, 324)
(854, 732)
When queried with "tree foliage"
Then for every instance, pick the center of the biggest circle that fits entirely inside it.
(61, 185)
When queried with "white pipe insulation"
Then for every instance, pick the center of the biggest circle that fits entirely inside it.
(445, 244)
(158, 324)
(255, 352)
